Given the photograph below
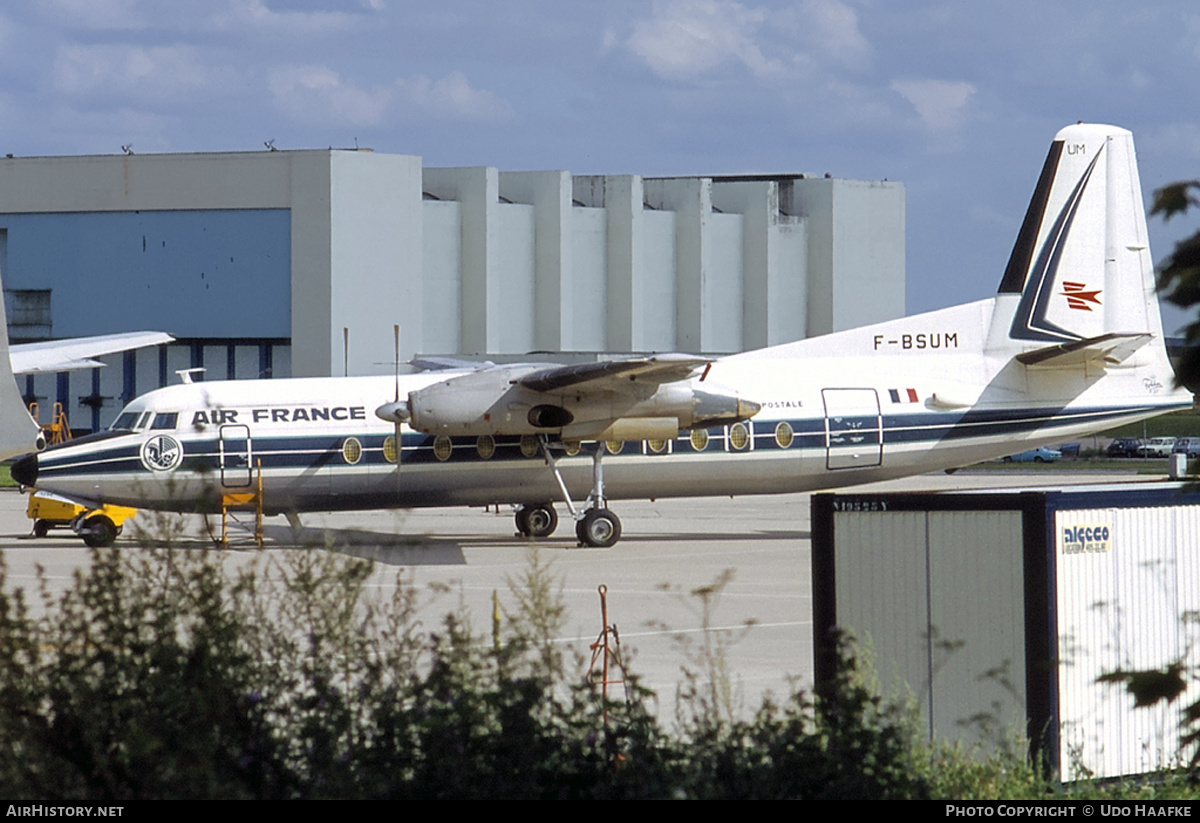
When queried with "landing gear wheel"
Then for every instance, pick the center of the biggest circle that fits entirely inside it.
(40, 528)
(536, 521)
(599, 528)
(99, 532)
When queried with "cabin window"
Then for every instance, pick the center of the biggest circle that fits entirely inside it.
(572, 448)
(614, 446)
(168, 420)
(124, 422)
(485, 446)
(700, 439)
(529, 445)
(351, 450)
(657, 446)
(442, 447)
(739, 437)
(389, 448)
(784, 434)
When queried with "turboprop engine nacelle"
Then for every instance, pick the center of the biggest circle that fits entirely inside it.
(491, 403)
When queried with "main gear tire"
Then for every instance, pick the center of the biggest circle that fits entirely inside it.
(536, 520)
(599, 529)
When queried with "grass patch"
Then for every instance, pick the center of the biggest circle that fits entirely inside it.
(1087, 464)
(1184, 423)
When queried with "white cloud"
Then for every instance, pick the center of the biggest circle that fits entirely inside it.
(104, 132)
(453, 96)
(939, 103)
(118, 15)
(156, 72)
(8, 34)
(1191, 24)
(831, 28)
(690, 37)
(320, 93)
(254, 14)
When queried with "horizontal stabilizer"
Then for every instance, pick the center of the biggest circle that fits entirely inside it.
(1108, 349)
(661, 368)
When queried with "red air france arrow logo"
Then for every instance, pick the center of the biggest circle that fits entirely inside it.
(1077, 298)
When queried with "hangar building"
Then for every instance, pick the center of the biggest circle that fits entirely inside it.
(299, 263)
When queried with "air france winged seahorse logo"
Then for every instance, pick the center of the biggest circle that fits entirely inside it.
(1077, 297)
(161, 453)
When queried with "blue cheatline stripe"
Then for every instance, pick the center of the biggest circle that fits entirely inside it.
(313, 451)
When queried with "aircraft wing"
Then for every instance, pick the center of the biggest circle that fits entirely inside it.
(639, 398)
(660, 368)
(77, 353)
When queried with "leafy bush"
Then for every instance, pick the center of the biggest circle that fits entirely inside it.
(160, 674)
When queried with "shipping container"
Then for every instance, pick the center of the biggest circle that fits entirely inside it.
(998, 611)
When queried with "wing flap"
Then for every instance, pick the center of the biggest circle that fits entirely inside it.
(660, 368)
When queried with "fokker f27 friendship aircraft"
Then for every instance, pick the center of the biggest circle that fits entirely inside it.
(1072, 343)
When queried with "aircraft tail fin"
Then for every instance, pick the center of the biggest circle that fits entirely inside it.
(1081, 268)
(18, 432)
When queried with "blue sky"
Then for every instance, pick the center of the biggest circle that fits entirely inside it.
(958, 100)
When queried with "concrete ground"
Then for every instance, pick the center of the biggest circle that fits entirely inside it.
(669, 548)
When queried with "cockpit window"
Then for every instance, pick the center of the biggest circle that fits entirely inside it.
(165, 420)
(124, 421)
(145, 421)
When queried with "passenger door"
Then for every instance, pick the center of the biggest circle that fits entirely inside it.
(853, 428)
(235, 456)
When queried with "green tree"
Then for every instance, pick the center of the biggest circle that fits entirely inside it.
(1179, 274)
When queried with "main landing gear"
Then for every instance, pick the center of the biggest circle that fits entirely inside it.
(595, 525)
(537, 521)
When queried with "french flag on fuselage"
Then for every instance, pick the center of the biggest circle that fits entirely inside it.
(904, 395)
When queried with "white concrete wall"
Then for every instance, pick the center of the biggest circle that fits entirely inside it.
(774, 263)
(477, 189)
(374, 261)
(587, 313)
(855, 251)
(441, 275)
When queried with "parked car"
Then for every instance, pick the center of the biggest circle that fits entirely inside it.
(1039, 455)
(1187, 445)
(1157, 447)
(1069, 449)
(1124, 447)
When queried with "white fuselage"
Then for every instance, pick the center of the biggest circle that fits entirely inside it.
(901, 398)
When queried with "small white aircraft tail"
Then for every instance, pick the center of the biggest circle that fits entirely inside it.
(1080, 279)
(18, 432)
